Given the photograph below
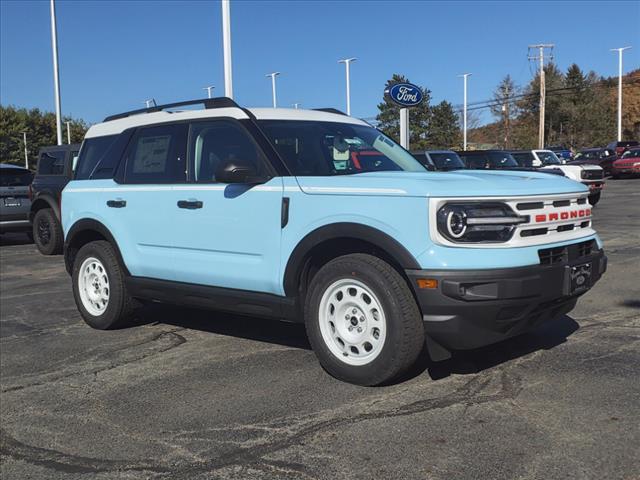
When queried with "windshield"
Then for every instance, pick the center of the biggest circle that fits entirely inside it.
(548, 158)
(447, 161)
(631, 153)
(502, 160)
(15, 177)
(524, 159)
(325, 148)
(589, 155)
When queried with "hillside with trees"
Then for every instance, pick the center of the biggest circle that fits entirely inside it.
(580, 111)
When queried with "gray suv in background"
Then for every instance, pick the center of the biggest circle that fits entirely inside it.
(14, 198)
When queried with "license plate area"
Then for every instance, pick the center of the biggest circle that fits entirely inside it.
(12, 202)
(578, 278)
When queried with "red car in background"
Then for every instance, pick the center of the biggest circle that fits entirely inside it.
(628, 164)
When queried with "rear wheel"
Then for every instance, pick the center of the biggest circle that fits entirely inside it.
(47, 232)
(362, 320)
(594, 198)
(99, 289)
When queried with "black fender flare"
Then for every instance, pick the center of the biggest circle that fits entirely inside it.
(346, 230)
(82, 227)
(49, 200)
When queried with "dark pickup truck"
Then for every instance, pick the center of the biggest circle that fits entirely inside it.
(55, 169)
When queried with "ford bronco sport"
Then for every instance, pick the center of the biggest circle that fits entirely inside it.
(263, 212)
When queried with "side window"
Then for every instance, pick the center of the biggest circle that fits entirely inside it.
(214, 143)
(157, 155)
(91, 152)
(51, 163)
(477, 162)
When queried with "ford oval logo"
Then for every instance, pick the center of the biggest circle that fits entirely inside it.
(405, 94)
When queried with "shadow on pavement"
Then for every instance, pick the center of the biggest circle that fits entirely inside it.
(631, 303)
(545, 337)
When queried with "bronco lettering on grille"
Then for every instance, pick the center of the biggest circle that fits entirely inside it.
(543, 217)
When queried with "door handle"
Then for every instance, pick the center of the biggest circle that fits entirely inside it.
(116, 203)
(190, 204)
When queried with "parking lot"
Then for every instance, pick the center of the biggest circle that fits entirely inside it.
(190, 394)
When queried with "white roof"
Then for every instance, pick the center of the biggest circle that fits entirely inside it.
(117, 126)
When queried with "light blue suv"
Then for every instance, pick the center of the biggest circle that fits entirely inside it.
(313, 216)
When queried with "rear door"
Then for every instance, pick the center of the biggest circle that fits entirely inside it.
(141, 210)
(227, 235)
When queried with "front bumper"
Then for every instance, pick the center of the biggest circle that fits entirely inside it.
(473, 308)
(594, 185)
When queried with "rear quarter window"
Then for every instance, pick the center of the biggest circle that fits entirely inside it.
(15, 177)
(92, 151)
(52, 162)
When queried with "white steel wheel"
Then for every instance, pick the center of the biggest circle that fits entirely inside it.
(93, 286)
(352, 322)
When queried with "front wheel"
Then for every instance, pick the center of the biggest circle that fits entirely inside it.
(594, 198)
(99, 289)
(362, 320)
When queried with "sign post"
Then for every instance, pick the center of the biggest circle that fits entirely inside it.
(404, 128)
(406, 95)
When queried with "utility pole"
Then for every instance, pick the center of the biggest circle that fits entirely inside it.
(347, 64)
(226, 45)
(507, 117)
(209, 89)
(620, 50)
(56, 76)
(464, 111)
(541, 57)
(68, 132)
(273, 76)
(26, 154)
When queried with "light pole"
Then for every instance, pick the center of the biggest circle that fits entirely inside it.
(347, 63)
(620, 50)
(209, 89)
(464, 112)
(273, 86)
(68, 132)
(150, 103)
(26, 155)
(56, 76)
(296, 105)
(226, 46)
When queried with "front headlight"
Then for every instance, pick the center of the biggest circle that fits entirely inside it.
(477, 223)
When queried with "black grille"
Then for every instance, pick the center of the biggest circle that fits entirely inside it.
(530, 206)
(593, 174)
(569, 253)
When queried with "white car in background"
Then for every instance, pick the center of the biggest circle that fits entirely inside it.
(590, 175)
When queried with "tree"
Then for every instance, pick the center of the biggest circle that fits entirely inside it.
(444, 131)
(419, 116)
(41, 131)
(504, 107)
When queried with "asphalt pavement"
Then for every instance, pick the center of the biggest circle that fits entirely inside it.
(205, 395)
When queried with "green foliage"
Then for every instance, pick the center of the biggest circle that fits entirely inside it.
(41, 131)
(444, 131)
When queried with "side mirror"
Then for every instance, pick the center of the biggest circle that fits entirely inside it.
(237, 171)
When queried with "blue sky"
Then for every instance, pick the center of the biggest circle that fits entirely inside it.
(116, 54)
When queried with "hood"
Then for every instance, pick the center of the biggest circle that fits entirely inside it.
(457, 183)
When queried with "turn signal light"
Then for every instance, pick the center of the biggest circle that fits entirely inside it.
(427, 283)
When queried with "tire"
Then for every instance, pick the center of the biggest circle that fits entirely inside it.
(47, 232)
(391, 335)
(594, 198)
(95, 269)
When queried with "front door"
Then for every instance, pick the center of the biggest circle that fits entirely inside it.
(227, 235)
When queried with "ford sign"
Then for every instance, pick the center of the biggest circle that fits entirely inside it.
(405, 94)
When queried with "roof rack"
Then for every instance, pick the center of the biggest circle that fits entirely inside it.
(218, 102)
(330, 110)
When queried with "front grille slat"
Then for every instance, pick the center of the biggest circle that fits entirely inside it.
(568, 253)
